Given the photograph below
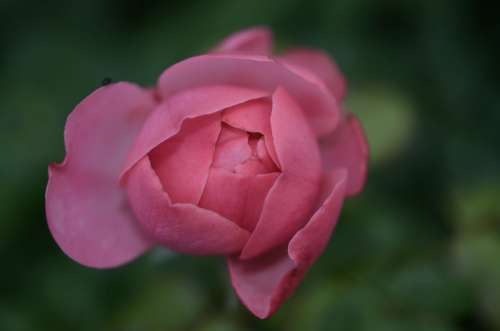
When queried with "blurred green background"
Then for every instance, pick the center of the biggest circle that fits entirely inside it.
(418, 250)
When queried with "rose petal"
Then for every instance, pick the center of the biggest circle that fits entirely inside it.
(183, 161)
(307, 75)
(253, 116)
(232, 148)
(286, 209)
(320, 64)
(257, 40)
(87, 211)
(255, 281)
(321, 109)
(252, 166)
(292, 197)
(182, 227)
(258, 189)
(294, 141)
(347, 147)
(166, 119)
(264, 155)
(237, 197)
(264, 283)
(225, 193)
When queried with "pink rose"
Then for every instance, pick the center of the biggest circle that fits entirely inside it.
(235, 153)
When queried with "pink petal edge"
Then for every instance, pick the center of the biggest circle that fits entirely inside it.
(321, 65)
(256, 40)
(321, 109)
(87, 212)
(182, 162)
(182, 227)
(347, 147)
(264, 283)
(166, 120)
(290, 201)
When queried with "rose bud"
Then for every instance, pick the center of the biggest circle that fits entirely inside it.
(237, 153)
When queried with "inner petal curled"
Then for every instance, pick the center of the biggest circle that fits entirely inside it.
(243, 169)
(242, 152)
(223, 162)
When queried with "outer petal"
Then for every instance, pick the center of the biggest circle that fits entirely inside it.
(320, 108)
(87, 212)
(347, 148)
(265, 282)
(320, 64)
(291, 199)
(167, 118)
(257, 40)
(183, 161)
(182, 227)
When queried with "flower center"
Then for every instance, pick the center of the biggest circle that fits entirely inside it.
(242, 152)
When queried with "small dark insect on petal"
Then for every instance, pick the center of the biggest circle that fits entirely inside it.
(106, 81)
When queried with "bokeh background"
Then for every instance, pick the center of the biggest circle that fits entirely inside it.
(418, 250)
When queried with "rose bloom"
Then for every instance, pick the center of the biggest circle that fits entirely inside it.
(237, 153)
